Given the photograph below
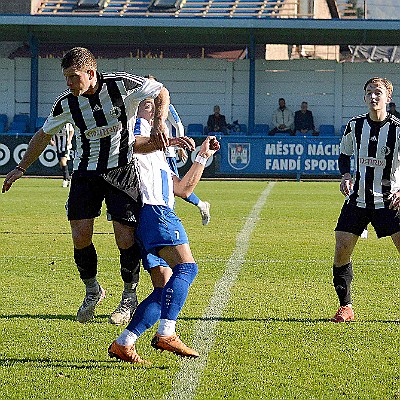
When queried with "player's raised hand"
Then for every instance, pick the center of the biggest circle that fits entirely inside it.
(183, 142)
(209, 146)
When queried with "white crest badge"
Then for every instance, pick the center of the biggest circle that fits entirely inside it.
(115, 112)
(239, 155)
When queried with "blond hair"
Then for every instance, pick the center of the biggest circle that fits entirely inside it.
(382, 82)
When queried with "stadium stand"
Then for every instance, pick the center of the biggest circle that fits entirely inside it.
(189, 8)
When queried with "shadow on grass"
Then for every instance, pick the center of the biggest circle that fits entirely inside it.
(300, 320)
(74, 365)
(100, 319)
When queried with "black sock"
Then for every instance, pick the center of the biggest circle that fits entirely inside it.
(65, 172)
(342, 277)
(86, 261)
(130, 265)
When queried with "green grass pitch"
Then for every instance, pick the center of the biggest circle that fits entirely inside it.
(273, 339)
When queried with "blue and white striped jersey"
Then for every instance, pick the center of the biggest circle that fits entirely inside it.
(156, 184)
(175, 129)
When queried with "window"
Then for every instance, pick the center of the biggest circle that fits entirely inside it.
(90, 4)
(165, 5)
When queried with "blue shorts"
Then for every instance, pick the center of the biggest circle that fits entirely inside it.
(159, 227)
(150, 261)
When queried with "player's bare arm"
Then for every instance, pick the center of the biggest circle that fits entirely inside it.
(35, 148)
(185, 186)
(158, 131)
(144, 144)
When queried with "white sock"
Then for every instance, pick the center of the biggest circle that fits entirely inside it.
(201, 205)
(127, 338)
(166, 327)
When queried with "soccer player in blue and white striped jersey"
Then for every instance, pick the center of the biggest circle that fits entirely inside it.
(176, 129)
(162, 237)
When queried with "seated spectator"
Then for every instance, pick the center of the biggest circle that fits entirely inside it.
(304, 121)
(282, 119)
(216, 122)
(392, 110)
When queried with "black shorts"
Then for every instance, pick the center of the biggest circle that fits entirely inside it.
(119, 188)
(355, 219)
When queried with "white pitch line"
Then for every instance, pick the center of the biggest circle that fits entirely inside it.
(187, 379)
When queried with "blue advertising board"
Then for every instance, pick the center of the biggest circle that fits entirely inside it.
(247, 156)
(280, 156)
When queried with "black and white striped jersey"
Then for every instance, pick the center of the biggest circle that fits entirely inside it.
(104, 121)
(375, 146)
(61, 138)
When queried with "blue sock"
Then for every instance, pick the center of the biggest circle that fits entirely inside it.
(147, 313)
(176, 290)
(192, 199)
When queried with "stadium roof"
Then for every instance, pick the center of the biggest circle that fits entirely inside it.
(196, 31)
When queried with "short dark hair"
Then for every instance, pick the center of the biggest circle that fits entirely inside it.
(80, 58)
(392, 104)
(281, 99)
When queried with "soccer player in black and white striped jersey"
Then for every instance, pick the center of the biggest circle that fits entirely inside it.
(63, 143)
(102, 110)
(373, 192)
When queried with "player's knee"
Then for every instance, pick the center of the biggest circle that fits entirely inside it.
(186, 271)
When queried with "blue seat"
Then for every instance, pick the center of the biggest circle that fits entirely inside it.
(18, 127)
(20, 123)
(261, 129)
(39, 122)
(195, 130)
(326, 130)
(4, 118)
(243, 128)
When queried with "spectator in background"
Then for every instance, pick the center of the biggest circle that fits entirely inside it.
(304, 121)
(392, 110)
(282, 119)
(216, 122)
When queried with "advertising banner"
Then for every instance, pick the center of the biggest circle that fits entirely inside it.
(246, 156)
(280, 156)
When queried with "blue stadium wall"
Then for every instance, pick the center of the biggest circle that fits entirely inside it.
(240, 157)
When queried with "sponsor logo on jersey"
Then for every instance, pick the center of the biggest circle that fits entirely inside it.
(385, 150)
(115, 112)
(373, 139)
(103, 131)
(239, 155)
(372, 162)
